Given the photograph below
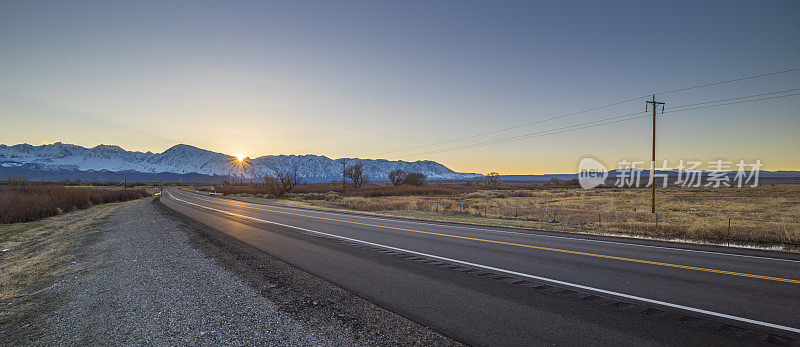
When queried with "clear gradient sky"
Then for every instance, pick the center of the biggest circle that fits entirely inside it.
(361, 79)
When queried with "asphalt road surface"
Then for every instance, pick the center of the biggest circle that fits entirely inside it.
(495, 286)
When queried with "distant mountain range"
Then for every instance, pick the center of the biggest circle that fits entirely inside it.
(61, 161)
(644, 173)
(103, 163)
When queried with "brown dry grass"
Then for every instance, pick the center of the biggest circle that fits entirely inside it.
(41, 253)
(767, 215)
(35, 201)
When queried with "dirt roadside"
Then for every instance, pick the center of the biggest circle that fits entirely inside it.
(141, 273)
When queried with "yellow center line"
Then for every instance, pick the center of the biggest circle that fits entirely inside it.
(634, 260)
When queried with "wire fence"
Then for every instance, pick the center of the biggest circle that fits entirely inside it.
(688, 224)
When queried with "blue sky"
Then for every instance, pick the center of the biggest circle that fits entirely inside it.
(368, 78)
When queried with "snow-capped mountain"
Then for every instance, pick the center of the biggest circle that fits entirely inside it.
(184, 159)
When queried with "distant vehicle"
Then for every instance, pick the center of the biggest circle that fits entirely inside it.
(208, 193)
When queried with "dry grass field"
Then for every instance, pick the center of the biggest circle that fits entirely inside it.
(766, 215)
(24, 203)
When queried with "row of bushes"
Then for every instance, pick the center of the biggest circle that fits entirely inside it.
(376, 190)
(429, 191)
(329, 196)
(31, 202)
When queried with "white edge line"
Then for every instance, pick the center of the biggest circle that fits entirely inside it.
(574, 285)
(529, 234)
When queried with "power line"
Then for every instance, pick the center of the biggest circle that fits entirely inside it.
(733, 103)
(586, 110)
(514, 127)
(613, 120)
(561, 130)
(737, 98)
(606, 121)
(524, 136)
(729, 81)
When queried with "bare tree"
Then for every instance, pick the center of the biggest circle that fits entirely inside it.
(415, 179)
(356, 174)
(281, 182)
(493, 178)
(398, 177)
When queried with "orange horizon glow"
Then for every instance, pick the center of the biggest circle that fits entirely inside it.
(499, 96)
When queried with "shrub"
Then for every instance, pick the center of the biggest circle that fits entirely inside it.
(519, 193)
(356, 175)
(397, 177)
(475, 195)
(31, 202)
(485, 194)
(415, 179)
(493, 178)
(282, 182)
(313, 196)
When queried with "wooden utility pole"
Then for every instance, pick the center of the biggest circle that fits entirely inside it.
(344, 165)
(653, 162)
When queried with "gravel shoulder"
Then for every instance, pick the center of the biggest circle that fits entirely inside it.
(144, 274)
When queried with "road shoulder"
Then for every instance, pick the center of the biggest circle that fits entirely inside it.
(136, 273)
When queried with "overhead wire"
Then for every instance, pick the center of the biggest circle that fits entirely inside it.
(621, 118)
(729, 81)
(588, 110)
(514, 127)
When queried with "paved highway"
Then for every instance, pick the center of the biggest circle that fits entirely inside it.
(494, 286)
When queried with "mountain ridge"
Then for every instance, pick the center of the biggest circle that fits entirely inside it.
(183, 159)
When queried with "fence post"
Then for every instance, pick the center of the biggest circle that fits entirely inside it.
(785, 237)
(547, 216)
(599, 221)
(656, 221)
(729, 231)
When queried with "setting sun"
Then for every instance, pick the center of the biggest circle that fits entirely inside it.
(275, 166)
